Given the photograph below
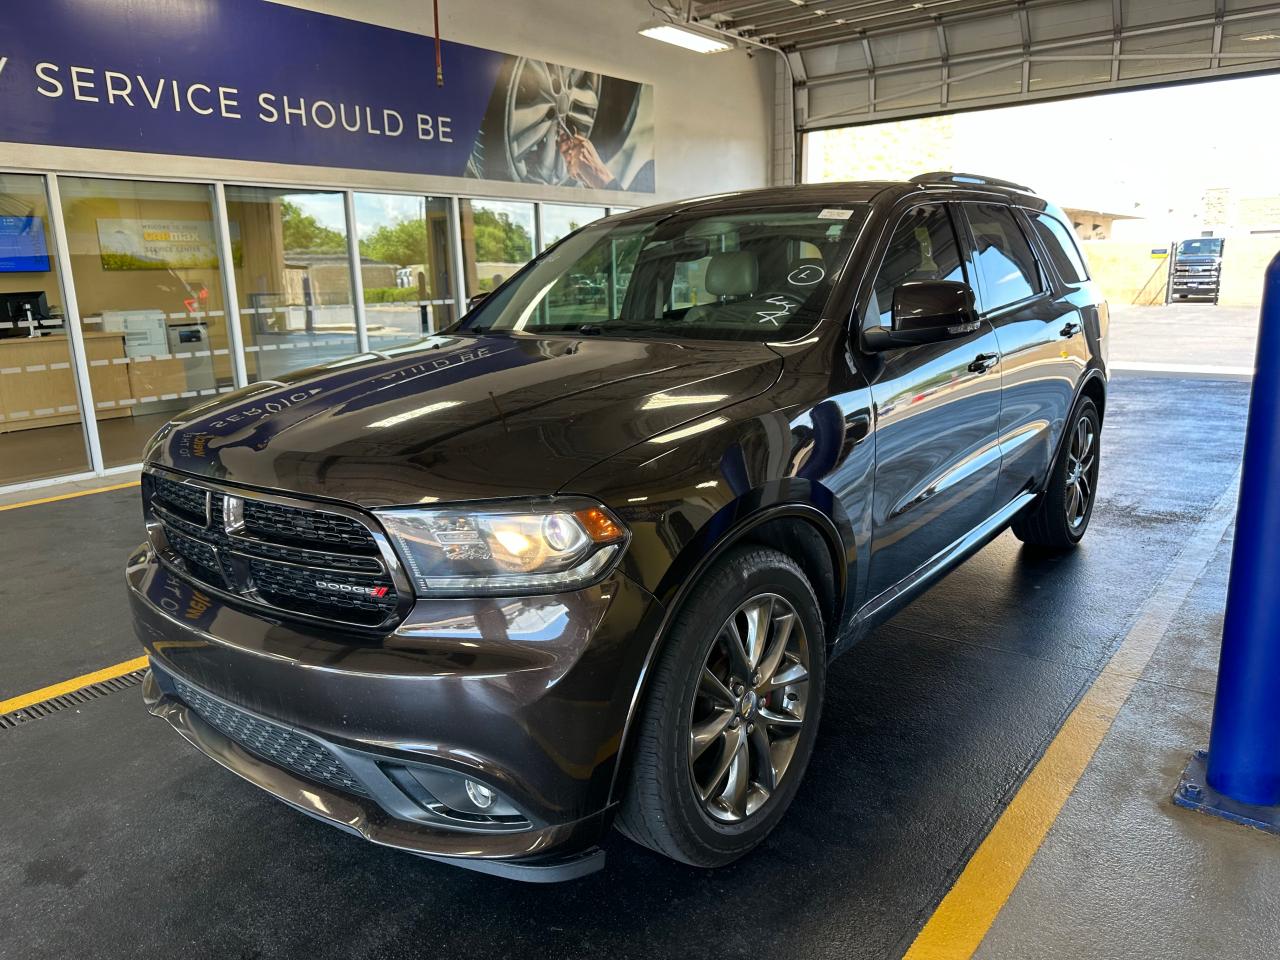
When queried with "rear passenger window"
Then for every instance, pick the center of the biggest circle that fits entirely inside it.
(1064, 253)
(1004, 259)
(923, 247)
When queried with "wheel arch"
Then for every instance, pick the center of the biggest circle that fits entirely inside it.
(820, 541)
(1095, 388)
(1092, 387)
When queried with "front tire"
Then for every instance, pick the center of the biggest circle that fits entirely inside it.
(1060, 516)
(731, 713)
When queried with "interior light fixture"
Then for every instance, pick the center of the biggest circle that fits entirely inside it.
(690, 36)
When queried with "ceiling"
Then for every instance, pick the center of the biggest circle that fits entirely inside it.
(860, 61)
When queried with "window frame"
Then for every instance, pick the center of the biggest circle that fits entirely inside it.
(862, 322)
(1030, 215)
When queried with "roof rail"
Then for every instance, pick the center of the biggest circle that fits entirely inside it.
(946, 176)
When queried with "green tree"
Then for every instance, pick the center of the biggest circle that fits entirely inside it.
(402, 243)
(499, 240)
(304, 233)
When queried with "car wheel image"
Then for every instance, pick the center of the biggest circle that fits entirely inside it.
(532, 103)
(1060, 517)
(731, 713)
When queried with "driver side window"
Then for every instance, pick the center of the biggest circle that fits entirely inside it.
(923, 247)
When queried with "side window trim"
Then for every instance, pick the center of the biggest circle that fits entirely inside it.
(860, 320)
(1053, 280)
(984, 311)
(1031, 215)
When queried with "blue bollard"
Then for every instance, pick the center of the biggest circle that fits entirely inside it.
(1239, 778)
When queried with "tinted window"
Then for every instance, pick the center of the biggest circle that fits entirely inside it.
(923, 247)
(1004, 258)
(1062, 248)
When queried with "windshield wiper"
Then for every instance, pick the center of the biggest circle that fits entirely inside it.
(616, 325)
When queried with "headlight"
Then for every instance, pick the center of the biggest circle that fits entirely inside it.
(522, 547)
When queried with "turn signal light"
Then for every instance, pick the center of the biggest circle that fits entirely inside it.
(599, 525)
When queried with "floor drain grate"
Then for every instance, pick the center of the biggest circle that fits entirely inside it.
(94, 691)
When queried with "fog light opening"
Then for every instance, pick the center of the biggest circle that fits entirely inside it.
(480, 795)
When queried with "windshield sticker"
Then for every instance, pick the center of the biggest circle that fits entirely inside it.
(806, 276)
(832, 214)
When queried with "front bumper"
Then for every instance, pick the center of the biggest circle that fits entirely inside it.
(529, 696)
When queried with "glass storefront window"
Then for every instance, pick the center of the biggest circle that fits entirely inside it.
(293, 277)
(497, 240)
(405, 257)
(41, 429)
(144, 260)
(559, 220)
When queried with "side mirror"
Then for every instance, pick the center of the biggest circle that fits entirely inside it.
(926, 311)
(476, 301)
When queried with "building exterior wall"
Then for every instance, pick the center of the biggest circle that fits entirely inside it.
(1126, 271)
(1244, 264)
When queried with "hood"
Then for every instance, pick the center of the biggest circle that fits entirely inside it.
(460, 417)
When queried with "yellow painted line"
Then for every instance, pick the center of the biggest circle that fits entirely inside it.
(961, 921)
(70, 686)
(69, 496)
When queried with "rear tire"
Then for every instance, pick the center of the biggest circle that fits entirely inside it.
(1058, 519)
(754, 718)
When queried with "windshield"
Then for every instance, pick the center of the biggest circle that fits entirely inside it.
(762, 275)
(1206, 247)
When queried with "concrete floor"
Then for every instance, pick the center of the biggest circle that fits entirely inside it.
(1183, 337)
(1125, 873)
(121, 841)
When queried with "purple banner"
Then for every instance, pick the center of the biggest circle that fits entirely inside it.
(251, 80)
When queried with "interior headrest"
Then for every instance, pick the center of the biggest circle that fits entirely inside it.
(733, 274)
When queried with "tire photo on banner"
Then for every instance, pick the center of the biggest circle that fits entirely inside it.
(562, 126)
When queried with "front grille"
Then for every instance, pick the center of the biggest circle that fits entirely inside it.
(299, 589)
(270, 741)
(297, 561)
(201, 559)
(183, 498)
(306, 527)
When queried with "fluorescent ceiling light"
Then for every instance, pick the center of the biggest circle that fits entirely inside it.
(687, 35)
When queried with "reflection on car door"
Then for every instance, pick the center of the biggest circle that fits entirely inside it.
(937, 411)
(1035, 330)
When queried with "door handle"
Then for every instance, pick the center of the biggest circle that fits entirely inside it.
(1070, 330)
(984, 362)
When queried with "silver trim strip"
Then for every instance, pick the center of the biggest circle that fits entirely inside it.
(942, 560)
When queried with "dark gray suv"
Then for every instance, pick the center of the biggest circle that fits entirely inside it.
(583, 560)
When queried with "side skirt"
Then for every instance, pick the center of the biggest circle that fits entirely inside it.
(883, 606)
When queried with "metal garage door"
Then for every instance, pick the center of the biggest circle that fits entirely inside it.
(858, 61)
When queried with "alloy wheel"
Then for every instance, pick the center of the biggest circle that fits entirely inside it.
(749, 710)
(1082, 472)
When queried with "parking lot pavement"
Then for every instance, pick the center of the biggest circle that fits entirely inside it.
(1184, 335)
(121, 841)
(63, 607)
